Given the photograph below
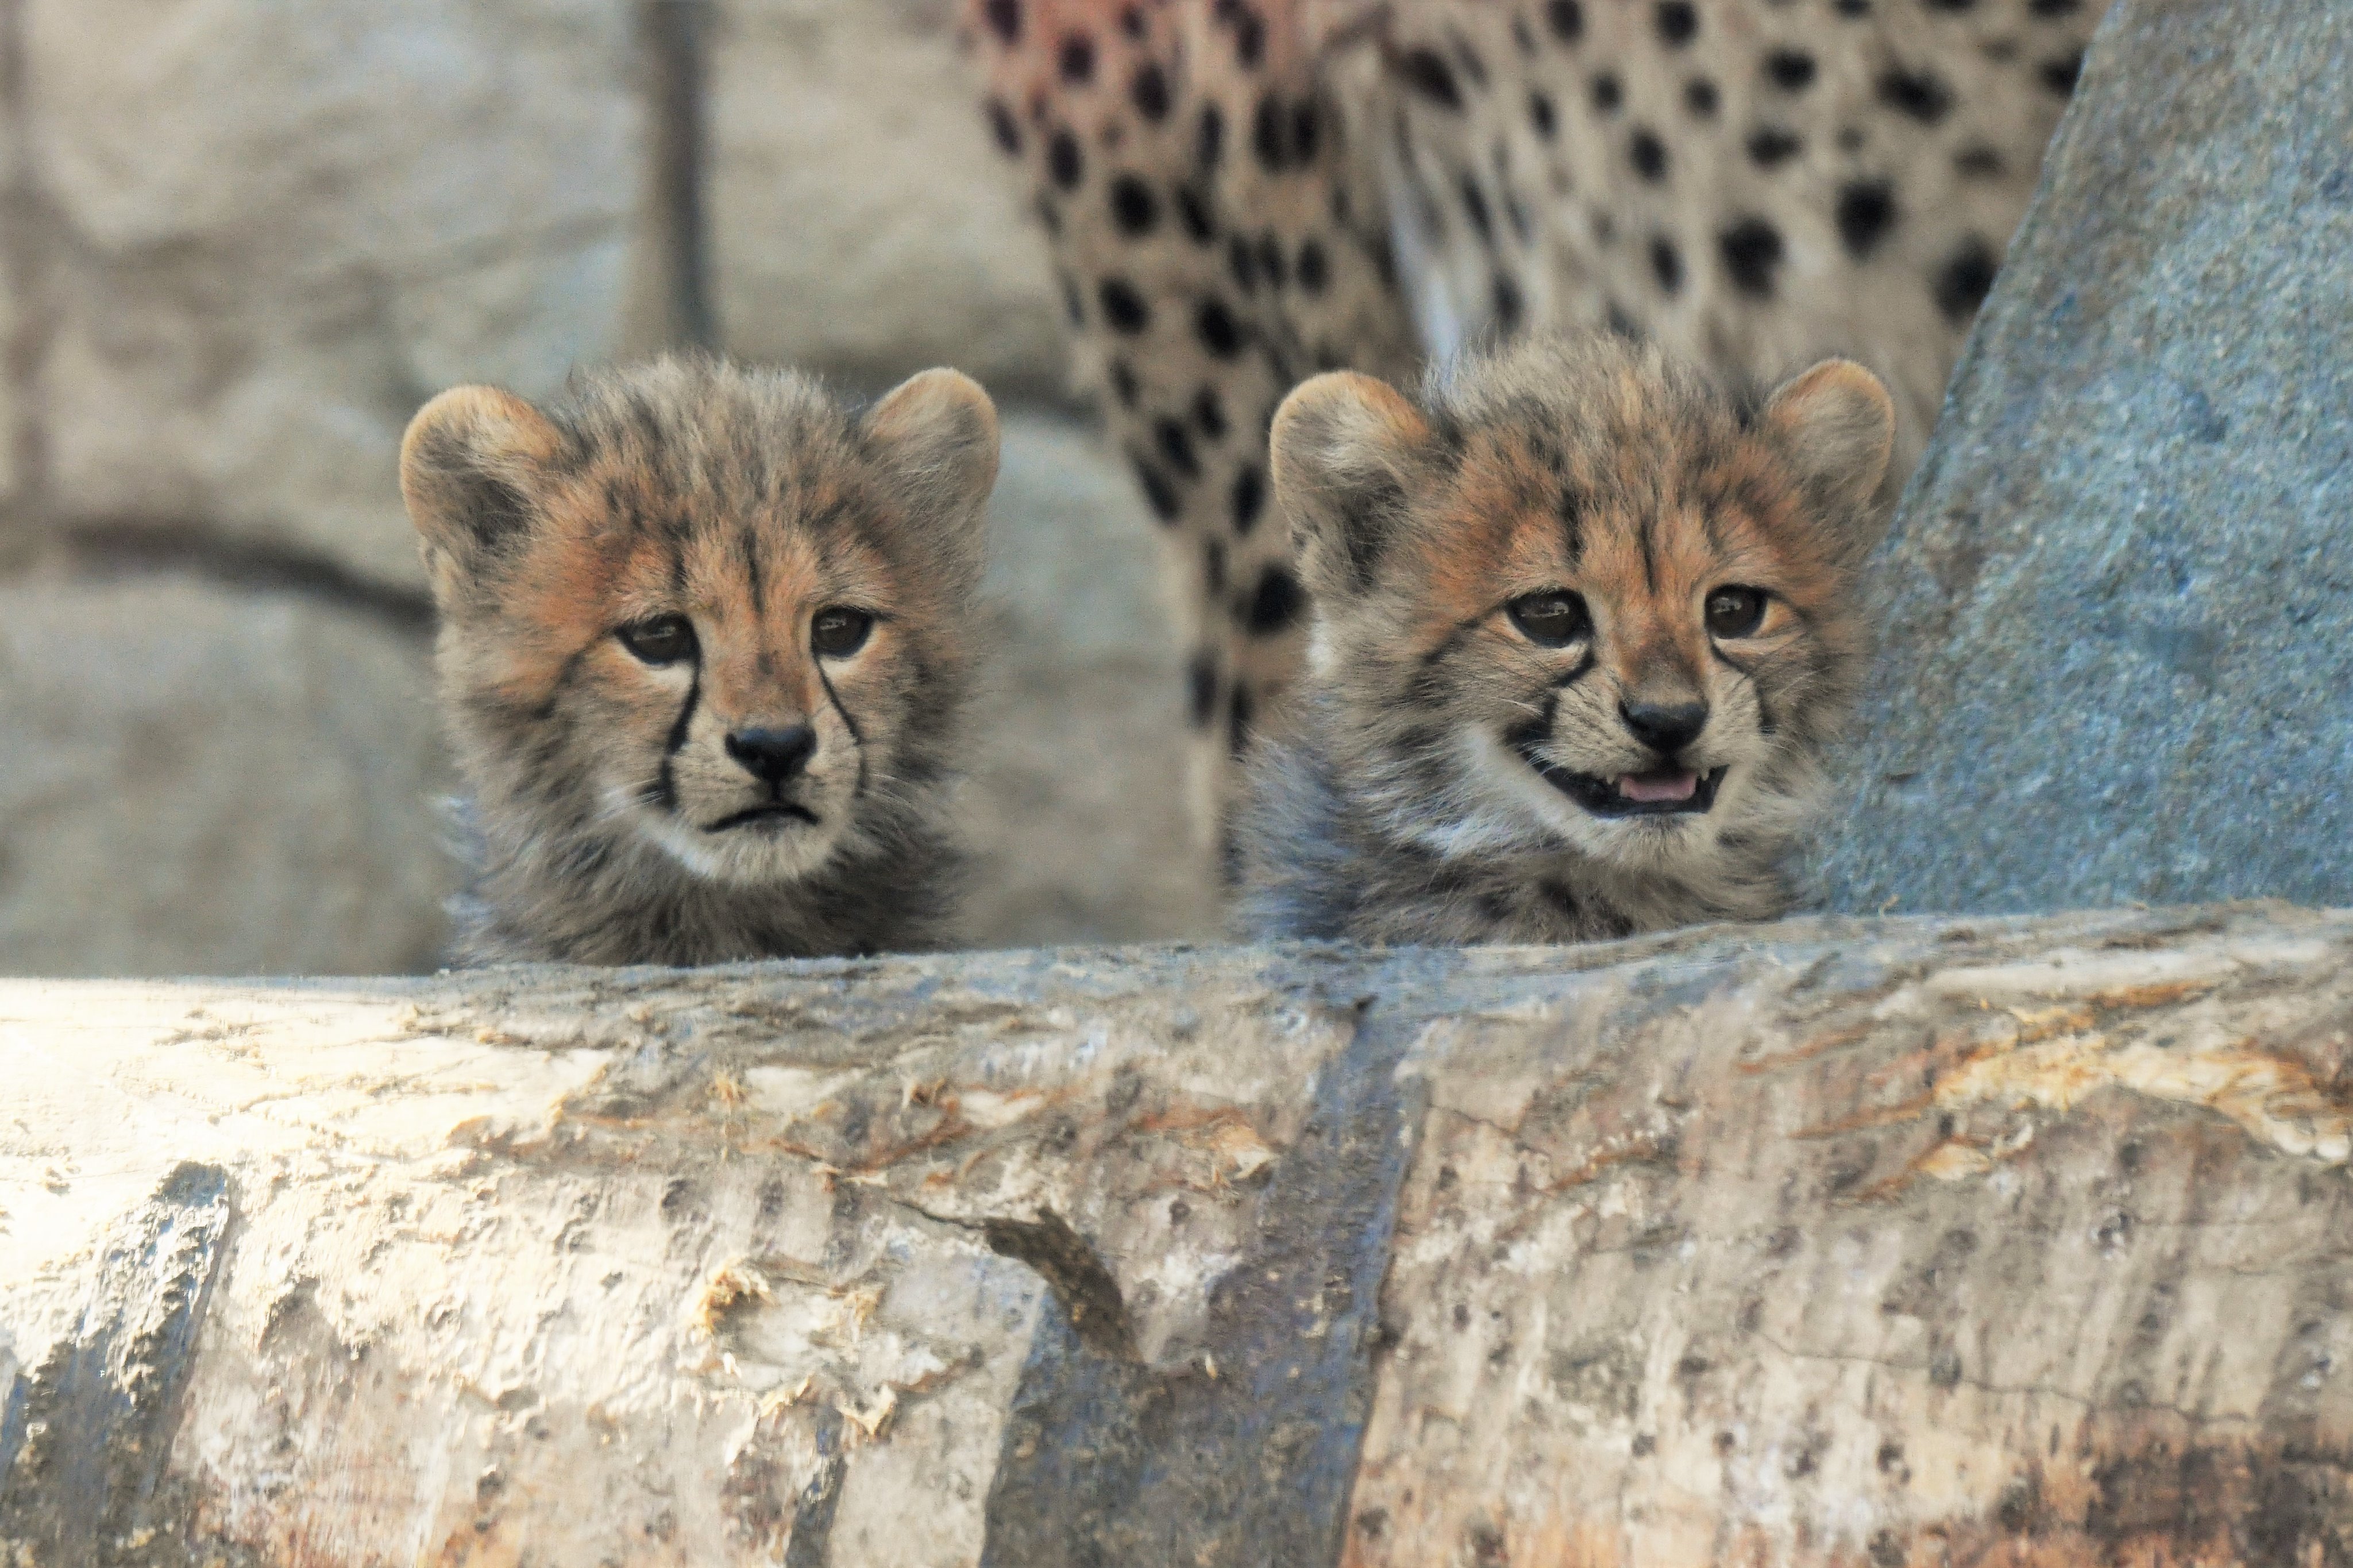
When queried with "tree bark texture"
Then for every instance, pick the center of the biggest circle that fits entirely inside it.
(1869, 1242)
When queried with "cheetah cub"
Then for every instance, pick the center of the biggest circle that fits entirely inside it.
(1583, 627)
(704, 640)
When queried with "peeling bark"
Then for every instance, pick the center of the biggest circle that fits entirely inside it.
(1860, 1242)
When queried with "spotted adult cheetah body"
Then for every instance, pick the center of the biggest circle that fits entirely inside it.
(1241, 193)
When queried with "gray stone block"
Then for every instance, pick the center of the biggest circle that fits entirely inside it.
(862, 222)
(2119, 646)
(204, 780)
(266, 236)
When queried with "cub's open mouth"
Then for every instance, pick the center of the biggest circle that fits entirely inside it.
(1663, 792)
(774, 814)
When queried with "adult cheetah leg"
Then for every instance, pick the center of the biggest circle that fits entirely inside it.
(1215, 241)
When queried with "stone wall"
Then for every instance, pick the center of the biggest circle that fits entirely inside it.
(239, 248)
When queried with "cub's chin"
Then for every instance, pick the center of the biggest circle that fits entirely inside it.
(758, 846)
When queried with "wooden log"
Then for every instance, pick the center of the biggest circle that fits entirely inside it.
(1839, 1241)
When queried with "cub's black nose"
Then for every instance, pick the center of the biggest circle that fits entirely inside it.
(1665, 727)
(773, 755)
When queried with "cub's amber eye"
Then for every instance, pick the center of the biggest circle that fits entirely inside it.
(659, 639)
(1551, 619)
(840, 632)
(1735, 612)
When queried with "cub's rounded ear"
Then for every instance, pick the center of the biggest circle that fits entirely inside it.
(1835, 424)
(935, 437)
(470, 467)
(1346, 446)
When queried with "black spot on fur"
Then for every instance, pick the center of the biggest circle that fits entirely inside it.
(1751, 250)
(1567, 20)
(1951, 5)
(1272, 265)
(1427, 73)
(2054, 7)
(1525, 40)
(1002, 125)
(1540, 115)
(1270, 135)
(1242, 262)
(1978, 162)
(1210, 141)
(1249, 38)
(1315, 267)
(1509, 310)
(1004, 19)
(1607, 93)
(1649, 154)
(1213, 568)
(1276, 603)
(1218, 330)
(1124, 384)
(1306, 131)
(1791, 70)
(1852, 7)
(1134, 208)
(1701, 98)
(1166, 503)
(1194, 217)
(1049, 214)
(1132, 22)
(1920, 94)
(1666, 263)
(1176, 444)
(1866, 212)
(1077, 59)
(1769, 146)
(1249, 498)
(1677, 21)
(1621, 321)
(1209, 413)
(1474, 206)
(1073, 304)
(1148, 90)
(1064, 162)
(2059, 75)
(1962, 282)
(1239, 718)
(1849, 138)
(1201, 689)
(1122, 307)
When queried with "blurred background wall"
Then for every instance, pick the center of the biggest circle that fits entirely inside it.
(241, 241)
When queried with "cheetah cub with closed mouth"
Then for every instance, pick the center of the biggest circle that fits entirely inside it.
(705, 637)
(1584, 625)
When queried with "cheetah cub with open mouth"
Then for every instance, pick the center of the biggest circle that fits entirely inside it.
(1584, 625)
(705, 635)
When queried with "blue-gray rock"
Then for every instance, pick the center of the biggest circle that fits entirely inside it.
(2117, 654)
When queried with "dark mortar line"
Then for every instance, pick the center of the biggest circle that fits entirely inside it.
(22, 255)
(676, 88)
(131, 549)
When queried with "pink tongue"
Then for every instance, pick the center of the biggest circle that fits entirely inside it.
(1649, 787)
